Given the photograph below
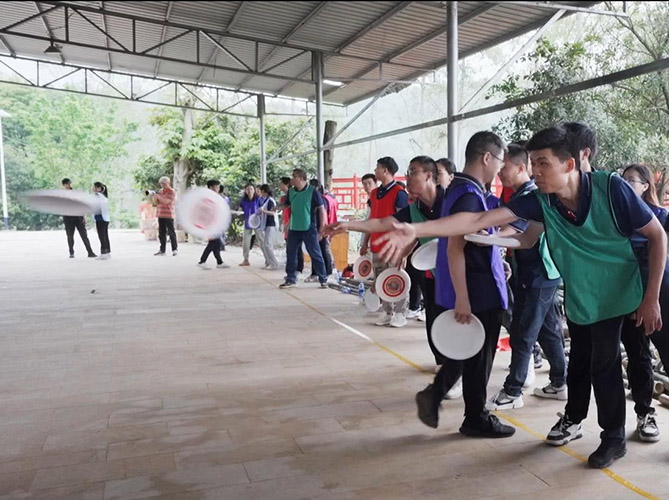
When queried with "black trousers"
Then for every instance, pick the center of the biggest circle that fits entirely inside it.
(103, 234)
(594, 360)
(165, 227)
(76, 223)
(327, 258)
(475, 371)
(432, 310)
(215, 247)
(417, 286)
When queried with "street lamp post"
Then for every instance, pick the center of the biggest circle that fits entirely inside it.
(5, 214)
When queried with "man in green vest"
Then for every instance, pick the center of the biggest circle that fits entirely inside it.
(307, 218)
(588, 221)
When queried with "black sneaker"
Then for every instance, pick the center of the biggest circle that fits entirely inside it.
(428, 409)
(606, 454)
(287, 284)
(91, 255)
(71, 256)
(489, 428)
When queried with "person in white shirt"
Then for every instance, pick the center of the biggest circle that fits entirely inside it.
(102, 220)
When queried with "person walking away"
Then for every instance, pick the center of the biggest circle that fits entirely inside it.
(102, 220)
(78, 223)
(165, 200)
(213, 245)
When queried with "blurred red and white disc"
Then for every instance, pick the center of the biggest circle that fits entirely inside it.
(393, 285)
(204, 213)
(363, 268)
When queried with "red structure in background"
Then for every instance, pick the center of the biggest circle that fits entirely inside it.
(351, 196)
(349, 192)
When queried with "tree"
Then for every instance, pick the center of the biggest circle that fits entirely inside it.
(631, 117)
(53, 135)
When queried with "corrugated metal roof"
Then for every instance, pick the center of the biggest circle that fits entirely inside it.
(355, 37)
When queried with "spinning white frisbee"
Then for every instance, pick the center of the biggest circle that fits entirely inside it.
(62, 202)
(203, 213)
(372, 301)
(254, 221)
(393, 285)
(425, 257)
(455, 340)
(363, 268)
(491, 239)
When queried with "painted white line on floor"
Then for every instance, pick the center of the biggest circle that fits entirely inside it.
(352, 330)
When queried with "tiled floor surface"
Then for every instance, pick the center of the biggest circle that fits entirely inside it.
(145, 377)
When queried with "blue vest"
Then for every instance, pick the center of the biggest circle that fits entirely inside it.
(445, 292)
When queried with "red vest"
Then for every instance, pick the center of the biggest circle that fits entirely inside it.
(385, 207)
(331, 208)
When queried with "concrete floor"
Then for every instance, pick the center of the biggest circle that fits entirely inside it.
(145, 377)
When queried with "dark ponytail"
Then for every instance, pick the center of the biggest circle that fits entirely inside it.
(102, 187)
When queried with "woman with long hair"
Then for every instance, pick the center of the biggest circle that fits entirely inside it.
(637, 347)
(248, 205)
(102, 220)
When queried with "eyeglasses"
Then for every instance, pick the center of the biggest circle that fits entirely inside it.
(412, 171)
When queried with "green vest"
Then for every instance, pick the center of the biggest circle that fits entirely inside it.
(597, 263)
(552, 272)
(418, 216)
(300, 208)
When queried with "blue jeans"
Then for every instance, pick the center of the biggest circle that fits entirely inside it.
(294, 245)
(535, 316)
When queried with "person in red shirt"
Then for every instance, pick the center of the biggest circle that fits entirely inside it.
(385, 200)
(164, 200)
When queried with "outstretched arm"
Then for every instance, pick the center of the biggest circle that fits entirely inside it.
(454, 225)
(362, 226)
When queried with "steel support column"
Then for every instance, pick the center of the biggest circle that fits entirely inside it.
(5, 215)
(317, 70)
(263, 153)
(452, 82)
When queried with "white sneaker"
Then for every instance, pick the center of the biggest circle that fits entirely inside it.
(299, 276)
(529, 380)
(311, 279)
(456, 390)
(384, 319)
(564, 431)
(174, 253)
(504, 401)
(411, 314)
(646, 428)
(551, 392)
(204, 266)
(421, 316)
(398, 320)
(223, 265)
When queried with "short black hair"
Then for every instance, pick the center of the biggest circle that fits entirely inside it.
(428, 164)
(557, 139)
(447, 164)
(369, 176)
(285, 181)
(584, 137)
(517, 154)
(389, 163)
(266, 189)
(66, 180)
(481, 143)
(212, 183)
